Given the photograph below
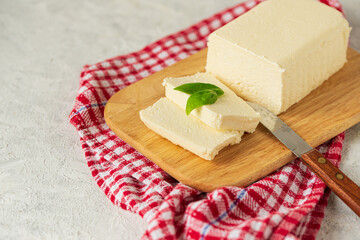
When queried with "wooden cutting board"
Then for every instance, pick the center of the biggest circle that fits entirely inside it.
(327, 111)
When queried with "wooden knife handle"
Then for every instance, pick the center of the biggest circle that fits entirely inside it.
(336, 180)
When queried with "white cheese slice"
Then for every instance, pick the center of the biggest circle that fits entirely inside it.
(171, 122)
(228, 112)
(279, 51)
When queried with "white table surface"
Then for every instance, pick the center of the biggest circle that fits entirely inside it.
(46, 189)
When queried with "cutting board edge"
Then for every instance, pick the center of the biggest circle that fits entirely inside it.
(180, 176)
(162, 164)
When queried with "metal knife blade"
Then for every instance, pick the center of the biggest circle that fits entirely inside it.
(281, 131)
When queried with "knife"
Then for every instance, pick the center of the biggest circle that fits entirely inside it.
(335, 179)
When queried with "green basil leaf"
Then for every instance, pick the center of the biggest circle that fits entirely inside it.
(191, 88)
(200, 98)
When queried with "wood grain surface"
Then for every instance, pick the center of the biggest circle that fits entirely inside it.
(327, 111)
(335, 179)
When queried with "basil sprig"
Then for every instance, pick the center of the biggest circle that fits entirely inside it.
(200, 94)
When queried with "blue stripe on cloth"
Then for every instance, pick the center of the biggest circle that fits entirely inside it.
(87, 107)
(224, 214)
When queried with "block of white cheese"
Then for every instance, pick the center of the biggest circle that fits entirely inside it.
(171, 122)
(279, 51)
(228, 112)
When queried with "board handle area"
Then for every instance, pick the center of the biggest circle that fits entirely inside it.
(335, 179)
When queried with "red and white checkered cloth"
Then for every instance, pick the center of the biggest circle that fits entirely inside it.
(288, 204)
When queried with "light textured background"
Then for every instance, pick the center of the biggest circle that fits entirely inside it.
(46, 189)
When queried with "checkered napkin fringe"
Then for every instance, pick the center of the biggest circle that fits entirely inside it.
(288, 204)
